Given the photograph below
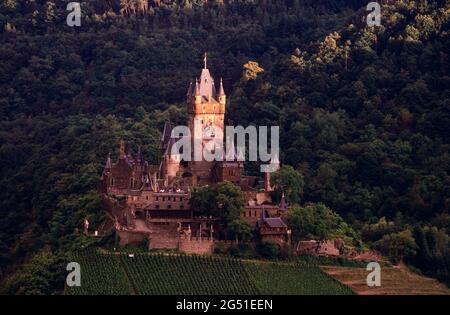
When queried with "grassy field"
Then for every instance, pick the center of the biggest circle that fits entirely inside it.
(103, 273)
(394, 281)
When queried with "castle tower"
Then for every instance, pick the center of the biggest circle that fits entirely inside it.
(205, 106)
(275, 166)
(204, 103)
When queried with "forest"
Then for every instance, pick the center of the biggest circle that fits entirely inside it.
(364, 112)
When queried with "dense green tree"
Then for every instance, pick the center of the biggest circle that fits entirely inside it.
(316, 221)
(363, 112)
(288, 181)
(44, 274)
(240, 229)
(396, 246)
(224, 201)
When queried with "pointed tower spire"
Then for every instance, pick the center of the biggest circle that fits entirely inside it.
(197, 88)
(213, 88)
(108, 164)
(221, 90)
(139, 154)
(222, 96)
(197, 94)
(283, 204)
(189, 92)
(205, 61)
(231, 152)
(121, 149)
(130, 155)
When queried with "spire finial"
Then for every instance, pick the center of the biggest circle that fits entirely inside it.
(205, 59)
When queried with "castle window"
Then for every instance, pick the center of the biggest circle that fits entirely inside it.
(169, 206)
(157, 198)
(157, 206)
(181, 198)
(146, 197)
(164, 198)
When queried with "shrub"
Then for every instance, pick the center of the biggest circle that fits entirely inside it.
(269, 250)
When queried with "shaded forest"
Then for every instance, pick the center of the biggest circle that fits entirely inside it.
(364, 111)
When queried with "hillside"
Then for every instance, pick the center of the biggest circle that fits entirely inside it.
(105, 273)
(395, 281)
(364, 113)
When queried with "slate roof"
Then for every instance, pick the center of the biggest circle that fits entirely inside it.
(167, 132)
(206, 84)
(274, 222)
(283, 204)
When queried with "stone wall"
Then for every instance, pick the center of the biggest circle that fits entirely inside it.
(131, 237)
(196, 245)
(314, 247)
(163, 236)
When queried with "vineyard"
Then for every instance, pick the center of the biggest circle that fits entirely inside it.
(290, 278)
(100, 274)
(145, 273)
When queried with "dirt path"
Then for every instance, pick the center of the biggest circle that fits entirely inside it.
(394, 281)
(134, 290)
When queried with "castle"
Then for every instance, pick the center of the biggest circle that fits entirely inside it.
(152, 201)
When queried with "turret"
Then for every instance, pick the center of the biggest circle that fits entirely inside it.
(108, 164)
(197, 95)
(139, 155)
(213, 90)
(283, 204)
(222, 96)
(189, 92)
(275, 166)
(121, 150)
